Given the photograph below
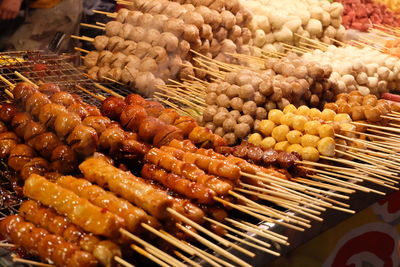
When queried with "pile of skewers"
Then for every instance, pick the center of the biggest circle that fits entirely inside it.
(195, 179)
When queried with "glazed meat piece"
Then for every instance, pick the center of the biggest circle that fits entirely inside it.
(132, 215)
(128, 186)
(287, 160)
(35, 102)
(168, 116)
(63, 160)
(90, 217)
(65, 123)
(33, 129)
(49, 113)
(83, 140)
(79, 110)
(22, 91)
(134, 99)
(45, 143)
(7, 112)
(149, 128)
(3, 127)
(63, 98)
(35, 166)
(132, 116)
(8, 140)
(186, 124)
(166, 134)
(20, 155)
(180, 185)
(270, 156)
(130, 150)
(112, 107)
(99, 123)
(112, 136)
(19, 123)
(153, 108)
(49, 88)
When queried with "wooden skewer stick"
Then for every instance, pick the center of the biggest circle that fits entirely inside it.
(258, 216)
(108, 14)
(22, 77)
(183, 257)
(209, 255)
(93, 26)
(81, 50)
(323, 185)
(123, 262)
(107, 90)
(331, 200)
(149, 256)
(366, 143)
(200, 228)
(15, 258)
(277, 254)
(7, 245)
(146, 244)
(264, 244)
(211, 245)
(83, 38)
(339, 182)
(11, 85)
(99, 97)
(264, 230)
(190, 249)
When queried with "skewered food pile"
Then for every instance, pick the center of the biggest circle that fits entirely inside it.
(363, 14)
(277, 23)
(364, 69)
(151, 43)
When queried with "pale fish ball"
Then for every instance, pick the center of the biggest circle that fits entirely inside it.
(210, 125)
(303, 110)
(230, 138)
(326, 146)
(372, 82)
(241, 130)
(314, 113)
(219, 118)
(293, 24)
(363, 90)
(250, 108)
(270, 105)
(264, 24)
(325, 19)
(310, 154)
(372, 69)
(391, 62)
(328, 114)
(284, 35)
(268, 142)
(304, 16)
(223, 101)
(259, 38)
(290, 109)
(294, 137)
(348, 79)
(342, 117)
(336, 9)
(287, 119)
(269, 39)
(277, 20)
(279, 132)
(282, 146)
(211, 98)
(383, 72)
(219, 131)
(298, 122)
(362, 78)
(209, 113)
(294, 148)
(343, 67)
(229, 124)
(311, 127)
(326, 130)
(314, 27)
(255, 139)
(275, 116)
(316, 12)
(266, 127)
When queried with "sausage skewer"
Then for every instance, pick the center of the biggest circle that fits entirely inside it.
(104, 251)
(40, 242)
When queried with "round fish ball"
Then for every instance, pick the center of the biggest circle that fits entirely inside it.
(282, 146)
(344, 108)
(342, 117)
(246, 92)
(328, 114)
(270, 105)
(357, 113)
(250, 108)
(241, 130)
(298, 122)
(259, 99)
(232, 91)
(294, 137)
(303, 110)
(255, 139)
(223, 101)
(372, 114)
(279, 133)
(266, 88)
(236, 103)
(314, 113)
(294, 148)
(209, 113)
(219, 131)
(222, 109)
(211, 98)
(266, 127)
(348, 129)
(246, 119)
(230, 138)
(310, 153)
(326, 130)
(219, 118)
(235, 114)
(268, 142)
(261, 113)
(290, 109)
(309, 140)
(275, 116)
(311, 127)
(326, 146)
(287, 119)
(229, 124)
(210, 125)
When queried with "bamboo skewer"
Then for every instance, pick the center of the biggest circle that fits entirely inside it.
(209, 255)
(34, 263)
(150, 256)
(183, 257)
(93, 26)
